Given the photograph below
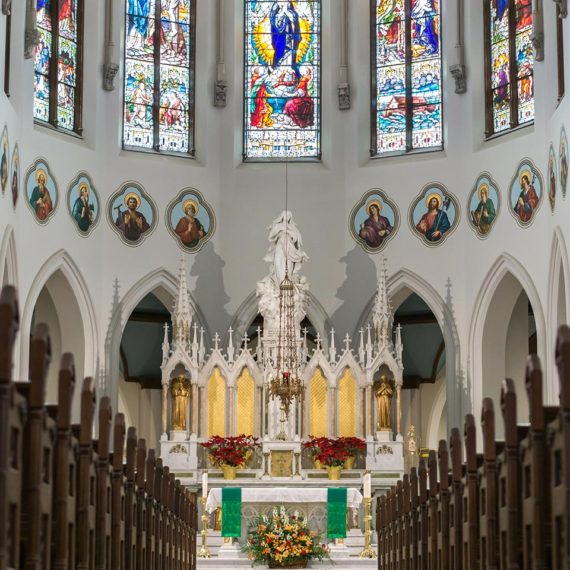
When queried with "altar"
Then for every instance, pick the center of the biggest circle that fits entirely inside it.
(310, 504)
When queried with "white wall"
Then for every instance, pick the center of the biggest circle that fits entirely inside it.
(246, 197)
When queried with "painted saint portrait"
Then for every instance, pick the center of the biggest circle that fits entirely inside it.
(483, 205)
(15, 176)
(41, 191)
(132, 213)
(4, 160)
(83, 203)
(552, 178)
(526, 192)
(563, 157)
(190, 219)
(374, 220)
(434, 214)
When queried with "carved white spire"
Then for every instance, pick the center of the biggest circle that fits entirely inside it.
(182, 314)
(231, 348)
(382, 317)
(165, 345)
(399, 345)
(332, 348)
(361, 353)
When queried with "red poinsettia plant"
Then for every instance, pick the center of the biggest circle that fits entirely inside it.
(231, 450)
(333, 451)
(352, 444)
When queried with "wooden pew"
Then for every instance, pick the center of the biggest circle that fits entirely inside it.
(560, 459)
(423, 517)
(407, 552)
(432, 511)
(39, 437)
(470, 499)
(85, 517)
(456, 502)
(157, 513)
(130, 500)
(150, 509)
(415, 519)
(443, 519)
(509, 474)
(103, 488)
(65, 470)
(488, 494)
(140, 562)
(12, 410)
(118, 485)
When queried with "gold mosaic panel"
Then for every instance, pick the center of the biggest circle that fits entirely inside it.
(245, 404)
(318, 404)
(216, 404)
(347, 402)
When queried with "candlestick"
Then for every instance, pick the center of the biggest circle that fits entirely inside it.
(367, 551)
(204, 550)
(367, 484)
(204, 484)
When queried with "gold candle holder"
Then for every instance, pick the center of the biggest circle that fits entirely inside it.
(367, 551)
(204, 551)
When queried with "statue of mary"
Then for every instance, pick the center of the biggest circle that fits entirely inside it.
(286, 250)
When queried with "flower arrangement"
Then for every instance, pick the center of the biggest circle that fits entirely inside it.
(333, 452)
(233, 451)
(283, 541)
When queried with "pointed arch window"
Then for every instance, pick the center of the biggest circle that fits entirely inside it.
(406, 76)
(282, 80)
(159, 76)
(560, 52)
(509, 58)
(7, 52)
(58, 64)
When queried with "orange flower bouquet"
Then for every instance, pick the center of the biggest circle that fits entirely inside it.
(281, 540)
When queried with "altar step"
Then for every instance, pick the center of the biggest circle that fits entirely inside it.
(347, 564)
(343, 557)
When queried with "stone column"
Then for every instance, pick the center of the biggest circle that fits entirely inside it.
(333, 412)
(164, 409)
(259, 401)
(369, 415)
(398, 409)
(202, 408)
(195, 409)
(362, 412)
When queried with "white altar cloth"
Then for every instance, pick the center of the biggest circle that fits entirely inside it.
(279, 495)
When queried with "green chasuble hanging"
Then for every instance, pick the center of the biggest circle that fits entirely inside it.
(231, 512)
(336, 503)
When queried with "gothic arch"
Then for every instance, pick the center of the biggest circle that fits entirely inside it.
(400, 285)
(73, 302)
(498, 291)
(8, 258)
(163, 285)
(249, 308)
(558, 297)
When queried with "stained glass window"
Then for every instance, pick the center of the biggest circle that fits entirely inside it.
(510, 62)
(57, 64)
(7, 53)
(159, 76)
(560, 52)
(406, 76)
(282, 90)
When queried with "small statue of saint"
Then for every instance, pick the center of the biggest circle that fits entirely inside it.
(180, 391)
(384, 404)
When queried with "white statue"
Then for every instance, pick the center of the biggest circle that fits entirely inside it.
(285, 253)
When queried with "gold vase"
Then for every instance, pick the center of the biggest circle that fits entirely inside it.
(349, 463)
(334, 472)
(229, 471)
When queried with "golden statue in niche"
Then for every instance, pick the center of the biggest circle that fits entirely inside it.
(384, 393)
(180, 391)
